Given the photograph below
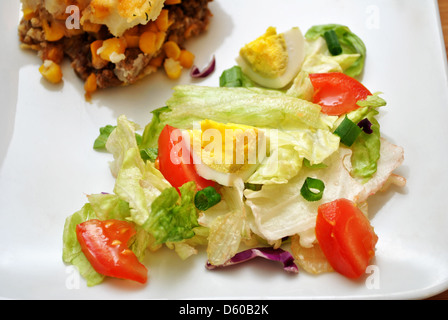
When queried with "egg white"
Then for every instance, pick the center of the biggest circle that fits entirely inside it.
(295, 44)
(223, 178)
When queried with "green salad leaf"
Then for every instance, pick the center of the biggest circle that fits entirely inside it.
(252, 106)
(173, 217)
(71, 249)
(100, 142)
(366, 148)
(350, 43)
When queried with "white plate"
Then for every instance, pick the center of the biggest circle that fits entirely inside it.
(47, 164)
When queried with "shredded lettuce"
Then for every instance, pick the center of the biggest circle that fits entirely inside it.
(71, 250)
(103, 207)
(350, 43)
(137, 182)
(109, 206)
(173, 217)
(128, 187)
(228, 229)
(366, 148)
(252, 106)
(120, 140)
(319, 60)
(152, 130)
(288, 149)
(100, 142)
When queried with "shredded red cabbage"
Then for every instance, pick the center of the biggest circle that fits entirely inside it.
(268, 253)
(196, 73)
(365, 125)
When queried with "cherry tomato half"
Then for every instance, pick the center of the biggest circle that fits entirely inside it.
(346, 237)
(177, 168)
(105, 245)
(337, 93)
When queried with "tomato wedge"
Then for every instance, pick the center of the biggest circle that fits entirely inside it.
(346, 237)
(180, 169)
(337, 93)
(105, 244)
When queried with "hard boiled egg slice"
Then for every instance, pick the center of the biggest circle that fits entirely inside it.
(273, 60)
(225, 152)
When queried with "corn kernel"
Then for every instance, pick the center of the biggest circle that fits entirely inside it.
(172, 50)
(90, 86)
(186, 58)
(97, 61)
(157, 61)
(132, 38)
(147, 42)
(51, 71)
(132, 41)
(91, 27)
(162, 21)
(53, 32)
(113, 50)
(28, 14)
(173, 69)
(160, 39)
(54, 53)
(150, 26)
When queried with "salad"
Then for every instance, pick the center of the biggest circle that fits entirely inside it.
(277, 161)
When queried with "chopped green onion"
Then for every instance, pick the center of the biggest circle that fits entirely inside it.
(309, 185)
(348, 131)
(308, 164)
(206, 198)
(333, 42)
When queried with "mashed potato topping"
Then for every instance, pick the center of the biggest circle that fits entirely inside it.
(117, 15)
(121, 15)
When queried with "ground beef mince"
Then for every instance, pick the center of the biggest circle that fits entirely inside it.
(187, 19)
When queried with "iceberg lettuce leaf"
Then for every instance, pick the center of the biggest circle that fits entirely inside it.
(128, 187)
(366, 148)
(109, 206)
(173, 217)
(71, 249)
(251, 106)
(288, 149)
(120, 140)
(351, 44)
(229, 227)
(279, 210)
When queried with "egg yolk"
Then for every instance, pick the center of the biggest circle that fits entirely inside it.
(226, 147)
(267, 55)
